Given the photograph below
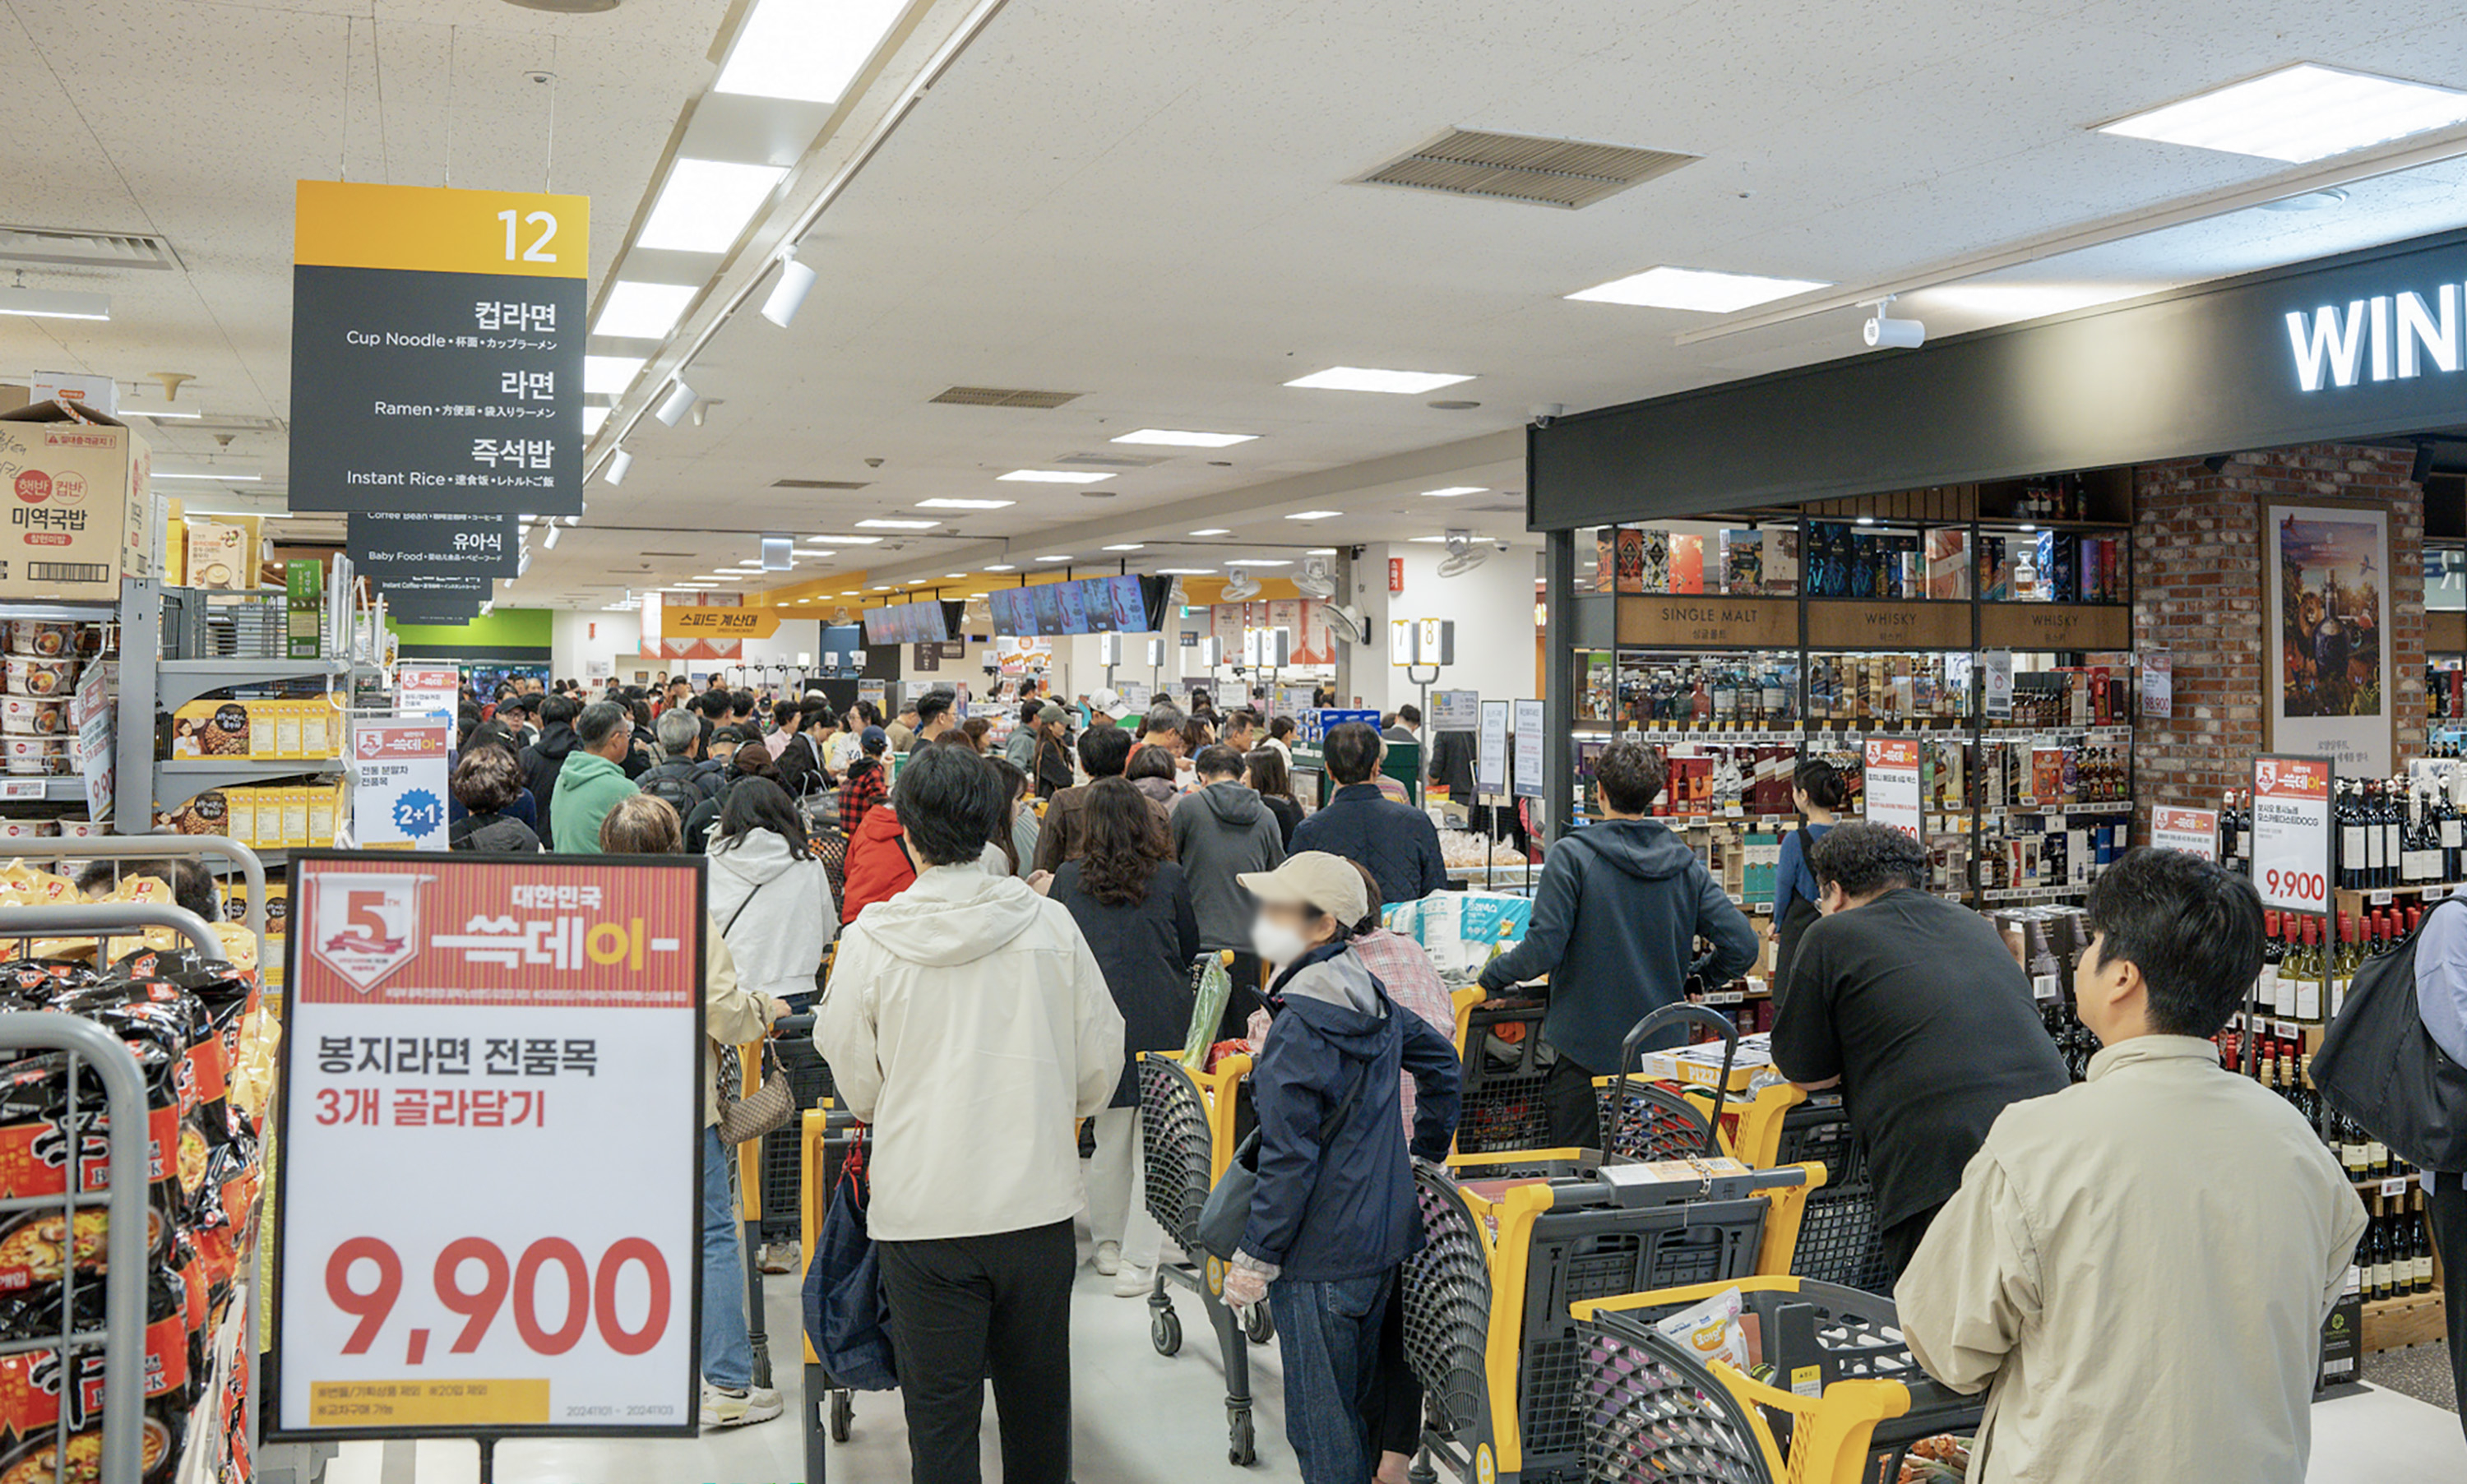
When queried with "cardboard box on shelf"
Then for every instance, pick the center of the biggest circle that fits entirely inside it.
(303, 590)
(213, 729)
(77, 495)
(239, 814)
(221, 553)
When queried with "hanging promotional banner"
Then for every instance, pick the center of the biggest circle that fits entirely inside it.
(1892, 785)
(2291, 832)
(1490, 755)
(420, 689)
(2193, 831)
(399, 784)
(1996, 682)
(1531, 728)
(457, 1254)
(1455, 711)
(389, 544)
(437, 343)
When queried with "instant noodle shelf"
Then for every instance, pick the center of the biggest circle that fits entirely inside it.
(122, 1441)
(250, 864)
(53, 790)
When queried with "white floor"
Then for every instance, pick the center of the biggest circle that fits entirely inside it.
(1141, 1418)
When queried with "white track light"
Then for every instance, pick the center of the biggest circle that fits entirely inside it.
(679, 402)
(1884, 332)
(789, 295)
(619, 462)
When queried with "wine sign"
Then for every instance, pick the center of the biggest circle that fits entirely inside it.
(457, 1254)
(2291, 832)
(2193, 831)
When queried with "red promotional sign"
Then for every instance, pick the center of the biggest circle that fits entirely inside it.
(467, 1040)
(2291, 832)
(1395, 574)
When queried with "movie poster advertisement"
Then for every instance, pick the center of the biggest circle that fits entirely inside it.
(2325, 579)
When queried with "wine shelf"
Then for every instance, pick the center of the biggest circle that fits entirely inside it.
(2415, 1320)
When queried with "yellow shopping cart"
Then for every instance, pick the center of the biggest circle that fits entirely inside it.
(1845, 1404)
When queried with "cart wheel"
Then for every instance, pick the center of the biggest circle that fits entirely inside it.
(1257, 1324)
(1241, 1449)
(1164, 1332)
(842, 1415)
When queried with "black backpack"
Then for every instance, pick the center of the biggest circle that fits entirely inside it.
(2380, 1067)
(674, 786)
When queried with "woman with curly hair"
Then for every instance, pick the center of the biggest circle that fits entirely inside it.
(1133, 906)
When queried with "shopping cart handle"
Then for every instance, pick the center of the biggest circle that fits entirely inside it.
(1660, 1020)
(794, 1024)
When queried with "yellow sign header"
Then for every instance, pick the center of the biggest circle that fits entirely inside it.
(429, 229)
(683, 622)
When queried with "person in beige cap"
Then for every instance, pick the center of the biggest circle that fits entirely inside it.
(1334, 1213)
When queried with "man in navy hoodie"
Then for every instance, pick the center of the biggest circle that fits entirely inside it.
(1334, 1213)
(1615, 921)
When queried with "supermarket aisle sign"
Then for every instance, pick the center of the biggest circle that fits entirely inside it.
(2290, 831)
(421, 689)
(399, 781)
(1892, 784)
(436, 340)
(1532, 725)
(455, 1254)
(2193, 831)
(1491, 754)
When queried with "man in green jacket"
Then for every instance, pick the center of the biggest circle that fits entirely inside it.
(593, 778)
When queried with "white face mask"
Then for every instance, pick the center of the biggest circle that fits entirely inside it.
(1277, 941)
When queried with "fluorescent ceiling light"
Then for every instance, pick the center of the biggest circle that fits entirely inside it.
(846, 540)
(1454, 490)
(1128, 546)
(1170, 437)
(805, 49)
(705, 204)
(1694, 289)
(816, 556)
(885, 523)
(1320, 550)
(644, 311)
(1427, 540)
(609, 375)
(882, 587)
(592, 419)
(849, 593)
(951, 503)
(1313, 515)
(1001, 567)
(1186, 572)
(1064, 557)
(1257, 561)
(954, 575)
(50, 304)
(1215, 530)
(1364, 378)
(161, 413)
(264, 515)
(230, 479)
(2300, 113)
(1054, 477)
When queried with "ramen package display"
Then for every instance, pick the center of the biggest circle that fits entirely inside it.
(193, 1025)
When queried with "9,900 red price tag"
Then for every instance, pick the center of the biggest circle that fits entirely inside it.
(551, 1267)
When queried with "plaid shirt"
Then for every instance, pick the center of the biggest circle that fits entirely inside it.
(863, 790)
(1413, 981)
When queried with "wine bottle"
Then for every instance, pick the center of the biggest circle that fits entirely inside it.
(2352, 854)
(2272, 956)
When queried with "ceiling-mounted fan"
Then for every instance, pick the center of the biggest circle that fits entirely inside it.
(1465, 552)
(1239, 586)
(1316, 579)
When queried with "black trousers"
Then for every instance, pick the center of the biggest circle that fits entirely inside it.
(966, 1309)
(1569, 1104)
(2445, 1209)
(1393, 1414)
(1901, 1241)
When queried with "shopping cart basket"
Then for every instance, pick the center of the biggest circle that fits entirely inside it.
(1187, 1123)
(1499, 1043)
(826, 1136)
(1838, 1239)
(1856, 1400)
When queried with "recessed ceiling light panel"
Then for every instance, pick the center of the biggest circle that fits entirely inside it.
(1215, 530)
(1168, 437)
(609, 375)
(1366, 378)
(886, 523)
(705, 204)
(1452, 491)
(1700, 289)
(1314, 515)
(950, 503)
(643, 311)
(2300, 113)
(1054, 477)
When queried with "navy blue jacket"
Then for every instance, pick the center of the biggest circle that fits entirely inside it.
(1615, 921)
(1397, 842)
(1347, 1209)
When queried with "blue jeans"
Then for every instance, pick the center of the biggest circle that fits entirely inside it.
(727, 1351)
(1328, 1337)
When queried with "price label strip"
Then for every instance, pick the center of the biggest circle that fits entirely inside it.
(456, 1253)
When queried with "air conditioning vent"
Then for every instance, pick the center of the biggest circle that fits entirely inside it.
(1005, 397)
(819, 484)
(1563, 172)
(56, 248)
(1111, 461)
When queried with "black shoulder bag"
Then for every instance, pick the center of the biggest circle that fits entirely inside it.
(1228, 1205)
(2380, 1067)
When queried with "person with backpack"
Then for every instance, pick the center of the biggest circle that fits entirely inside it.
(679, 777)
(768, 892)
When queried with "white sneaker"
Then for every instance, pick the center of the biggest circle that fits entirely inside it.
(1134, 1283)
(725, 1408)
(1109, 1258)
